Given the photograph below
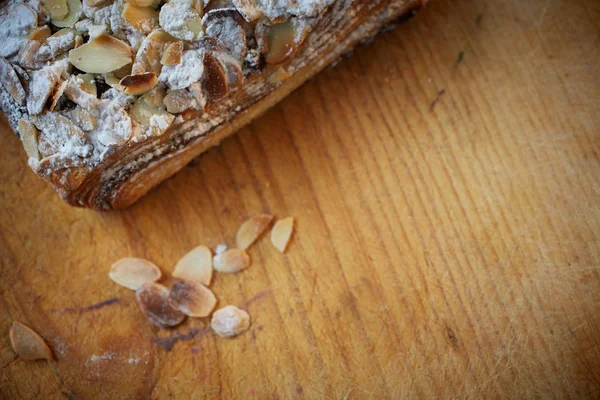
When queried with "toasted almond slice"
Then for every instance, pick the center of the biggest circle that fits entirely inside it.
(281, 233)
(17, 22)
(89, 84)
(101, 55)
(251, 229)
(140, 83)
(283, 40)
(234, 73)
(156, 97)
(195, 266)
(133, 272)
(82, 119)
(78, 41)
(230, 321)
(98, 3)
(172, 54)
(192, 298)
(10, 81)
(29, 137)
(231, 261)
(177, 101)
(143, 110)
(57, 95)
(44, 82)
(226, 25)
(55, 45)
(29, 50)
(144, 19)
(150, 52)
(146, 3)
(181, 20)
(215, 81)
(27, 343)
(248, 9)
(75, 12)
(58, 9)
(41, 33)
(153, 299)
(78, 95)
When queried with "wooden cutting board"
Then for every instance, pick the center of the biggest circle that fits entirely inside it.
(445, 181)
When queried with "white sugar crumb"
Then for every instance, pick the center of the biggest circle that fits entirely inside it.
(185, 73)
(221, 248)
(174, 17)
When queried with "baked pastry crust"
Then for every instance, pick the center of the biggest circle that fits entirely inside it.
(131, 164)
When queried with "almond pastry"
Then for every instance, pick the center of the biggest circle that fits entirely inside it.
(114, 96)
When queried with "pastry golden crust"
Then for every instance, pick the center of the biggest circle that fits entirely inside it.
(187, 87)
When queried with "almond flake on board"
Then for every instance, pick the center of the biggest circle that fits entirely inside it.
(281, 233)
(195, 266)
(251, 230)
(192, 298)
(230, 321)
(153, 299)
(231, 261)
(27, 343)
(132, 273)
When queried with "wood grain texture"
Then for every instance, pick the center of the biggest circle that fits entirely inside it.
(445, 181)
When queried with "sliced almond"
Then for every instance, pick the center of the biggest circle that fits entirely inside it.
(283, 40)
(55, 45)
(195, 266)
(29, 137)
(29, 50)
(153, 301)
(58, 9)
(78, 41)
(74, 13)
(10, 81)
(134, 272)
(146, 3)
(181, 20)
(251, 229)
(144, 19)
(41, 33)
(140, 83)
(172, 54)
(17, 23)
(248, 9)
(142, 111)
(27, 343)
(78, 95)
(281, 233)
(98, 3)
(44, 82)
(231, 261)
(59, 133)
(82, 119)
(57, 95)
(215, 81)
(192, 298)
(225, 25)
(177, 101)
(234, 73)
(156, 97)
(88, 83)
(101, 55)
(150, 52)
(230, 321)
